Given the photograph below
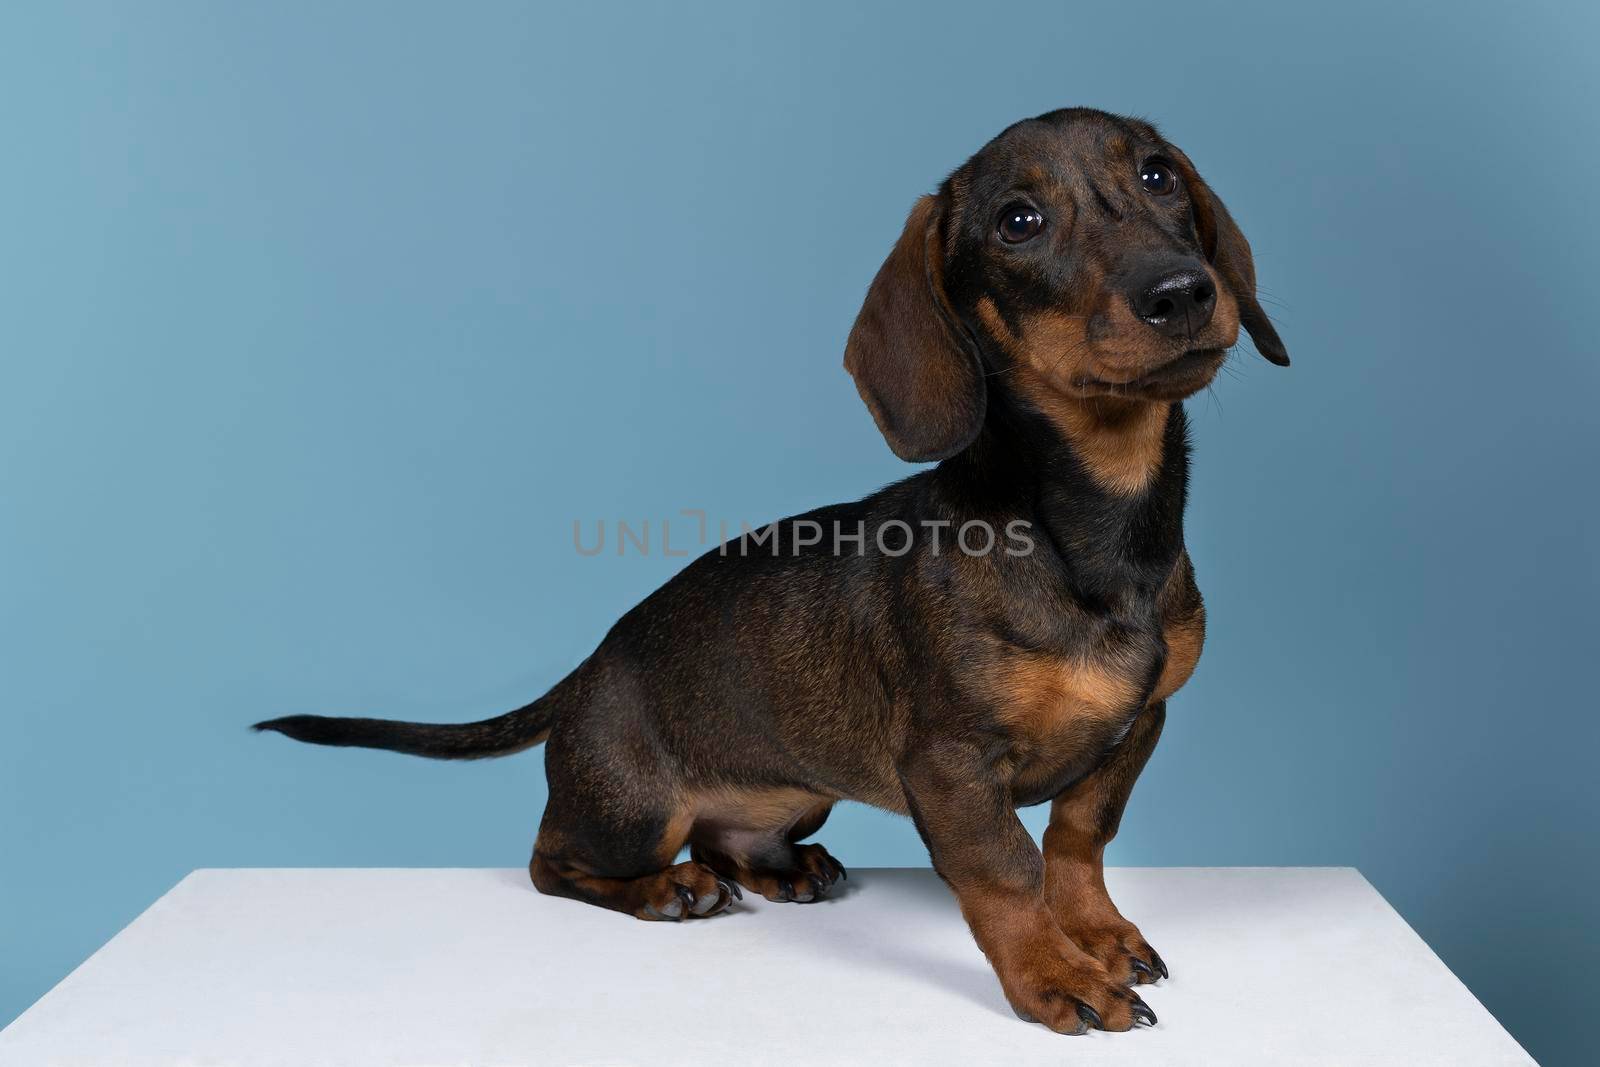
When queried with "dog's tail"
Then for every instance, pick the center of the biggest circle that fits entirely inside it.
(512, 732)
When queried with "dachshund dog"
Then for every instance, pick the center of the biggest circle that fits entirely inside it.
(999, 630)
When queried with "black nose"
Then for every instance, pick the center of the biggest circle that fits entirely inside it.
(1176, 302)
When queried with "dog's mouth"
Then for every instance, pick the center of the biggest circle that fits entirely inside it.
(1173, 380)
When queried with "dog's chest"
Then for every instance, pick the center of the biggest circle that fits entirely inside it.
(1051, 695)
(1063, 710)
(1046, 692)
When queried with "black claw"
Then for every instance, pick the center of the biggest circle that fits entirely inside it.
(1141, 967)
(785, 889)
(842, 872)
(1141, 1011)
(1090, 1016)
(1155, 958)
(726, 889)
(686, 895)
(737, 892)
(819, 888)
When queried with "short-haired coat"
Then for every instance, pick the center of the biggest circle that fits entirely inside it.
(1034, 330)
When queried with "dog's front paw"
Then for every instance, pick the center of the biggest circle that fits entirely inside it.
(1120, 948)
(1068, 990)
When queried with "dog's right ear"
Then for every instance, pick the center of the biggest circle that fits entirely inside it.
(1225, 245)
(912, 364)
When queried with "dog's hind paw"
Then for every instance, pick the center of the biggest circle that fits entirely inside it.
(685, 891)
(814, 875)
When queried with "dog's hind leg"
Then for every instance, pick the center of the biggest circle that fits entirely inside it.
(745, 843)
(628, 867)
(615, 822)
(682, 891)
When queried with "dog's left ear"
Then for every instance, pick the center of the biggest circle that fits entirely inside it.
(1229, 252)
(912, 362)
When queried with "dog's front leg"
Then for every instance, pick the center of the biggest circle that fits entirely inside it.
(1082, 821)
(980, 848)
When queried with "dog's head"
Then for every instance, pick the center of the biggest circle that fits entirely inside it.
(1078, 255)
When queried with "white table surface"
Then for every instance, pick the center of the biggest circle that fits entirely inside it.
(457, 967)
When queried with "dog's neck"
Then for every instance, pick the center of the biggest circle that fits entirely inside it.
(1119, 444)
(1106, 480)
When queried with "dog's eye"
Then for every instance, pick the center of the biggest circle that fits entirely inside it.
(1158, 177)
(1019, 222)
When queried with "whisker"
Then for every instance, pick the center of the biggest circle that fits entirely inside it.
(1267, 296)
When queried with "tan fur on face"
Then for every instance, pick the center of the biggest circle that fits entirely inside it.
(1120, 345)
(1119, 442)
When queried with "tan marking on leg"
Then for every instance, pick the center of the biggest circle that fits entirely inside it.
(768, 809)
(1044, 974)
(675, 835)
(1082, 821)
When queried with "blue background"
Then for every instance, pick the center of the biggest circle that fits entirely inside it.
(322, 323)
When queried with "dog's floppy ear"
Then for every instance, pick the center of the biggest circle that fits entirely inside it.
(1229, 252)
(911, 361)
